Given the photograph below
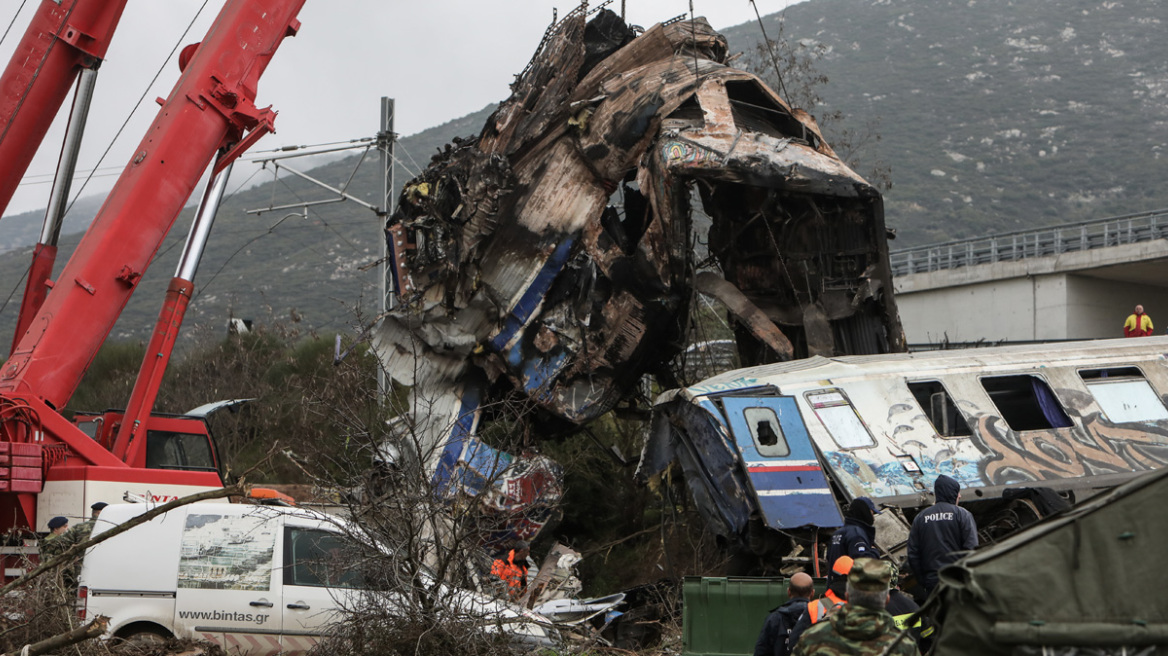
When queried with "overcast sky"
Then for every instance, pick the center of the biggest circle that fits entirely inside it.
(440, 59)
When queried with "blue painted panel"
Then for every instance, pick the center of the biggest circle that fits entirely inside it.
(533, 295)
(460, 433)
(538, 374)
(791, 489)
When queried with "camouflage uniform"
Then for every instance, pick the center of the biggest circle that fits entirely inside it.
(52, 545)
(55, 545)
(855, 629)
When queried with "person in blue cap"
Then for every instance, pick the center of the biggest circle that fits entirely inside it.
(53, 544)
(857, 537)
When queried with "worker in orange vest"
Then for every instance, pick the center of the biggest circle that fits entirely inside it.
(832, 599)
(513, 570)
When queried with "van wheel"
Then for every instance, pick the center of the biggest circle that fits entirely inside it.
(144, 635)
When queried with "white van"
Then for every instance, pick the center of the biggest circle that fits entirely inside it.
(245, 577)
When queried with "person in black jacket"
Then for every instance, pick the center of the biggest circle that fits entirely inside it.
(940, 533)
(857, 537)
(902, 607)
(772, 640)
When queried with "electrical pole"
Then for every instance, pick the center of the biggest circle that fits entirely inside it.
(385, 142)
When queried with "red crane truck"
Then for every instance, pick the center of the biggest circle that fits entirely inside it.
(50, 465)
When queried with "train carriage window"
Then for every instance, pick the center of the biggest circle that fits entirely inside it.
(939, 408)
(840, 418)
(1124, 395)
(768, 435)
(1026, 402)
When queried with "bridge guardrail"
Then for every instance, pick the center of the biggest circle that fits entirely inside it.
(1040, 242)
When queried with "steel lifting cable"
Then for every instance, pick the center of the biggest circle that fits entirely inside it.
(693, 36)
(137, 104)
(13, 21)
(771, 50)
(18, 285)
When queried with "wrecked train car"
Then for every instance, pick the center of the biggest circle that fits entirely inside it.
(549, 259)
(771, 449)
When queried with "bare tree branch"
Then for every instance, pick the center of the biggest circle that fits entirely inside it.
(80, 634)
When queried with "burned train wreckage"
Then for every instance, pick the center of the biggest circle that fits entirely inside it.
(518, 275)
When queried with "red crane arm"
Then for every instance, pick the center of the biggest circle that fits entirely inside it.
(63, 37)
(210, 108)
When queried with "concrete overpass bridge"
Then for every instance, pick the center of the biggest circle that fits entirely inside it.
(1071, 281)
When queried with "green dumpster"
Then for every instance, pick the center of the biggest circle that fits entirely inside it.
(721, 616)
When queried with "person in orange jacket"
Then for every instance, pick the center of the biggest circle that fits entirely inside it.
(513, 570)
(1138, 324)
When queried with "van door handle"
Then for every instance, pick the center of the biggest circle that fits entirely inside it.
(264, 604)
(299, 606)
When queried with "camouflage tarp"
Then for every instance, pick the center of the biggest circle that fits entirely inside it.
(1088, 581)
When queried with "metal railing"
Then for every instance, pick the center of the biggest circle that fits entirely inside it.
(1040, 242)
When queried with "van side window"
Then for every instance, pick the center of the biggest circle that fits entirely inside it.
(939, 408)
(226, 552)
(1026, 402)
(840, 418)
(768, 435)
(319, 558)
(169, 450)
(1123, 394)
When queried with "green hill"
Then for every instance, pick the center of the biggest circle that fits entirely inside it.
(277, 265)
(998, 115)
(995, 115)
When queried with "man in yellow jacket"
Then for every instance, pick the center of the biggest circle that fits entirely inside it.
(1138, 324)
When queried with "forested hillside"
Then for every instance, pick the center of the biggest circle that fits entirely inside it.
(994, 115)
(997, 115)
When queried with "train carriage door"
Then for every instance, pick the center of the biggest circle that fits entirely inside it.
(788, 480)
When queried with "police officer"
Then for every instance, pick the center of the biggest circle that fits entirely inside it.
(861, 627)
(857, 537)
(939, 533)
(772, 640)
(902, 607)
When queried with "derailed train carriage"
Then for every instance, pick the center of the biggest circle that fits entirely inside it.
(771, 453)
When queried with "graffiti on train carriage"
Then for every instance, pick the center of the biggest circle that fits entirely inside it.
(802, 438)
